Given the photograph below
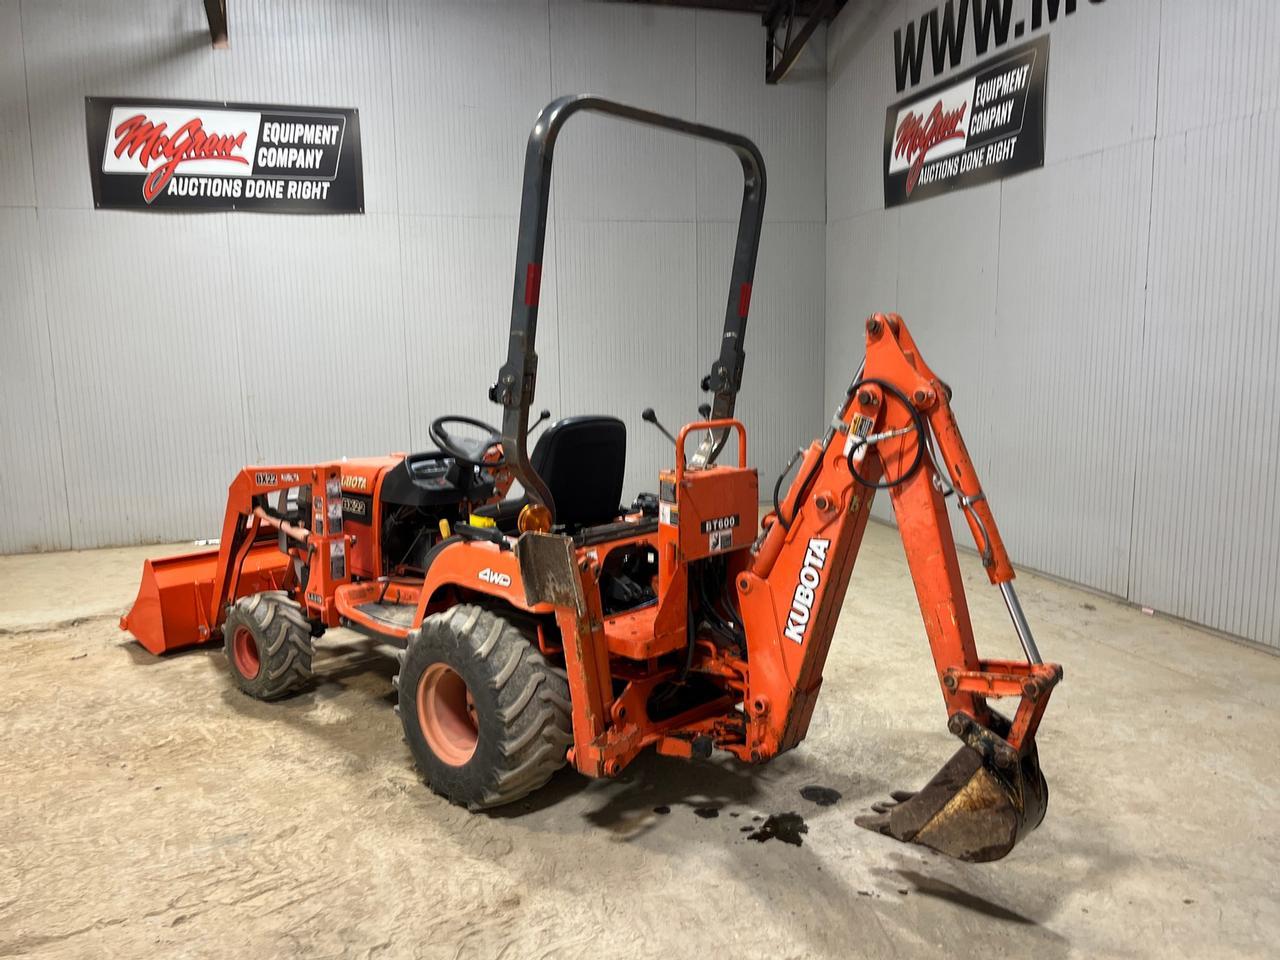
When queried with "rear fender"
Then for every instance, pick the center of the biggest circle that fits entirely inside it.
(476, 567)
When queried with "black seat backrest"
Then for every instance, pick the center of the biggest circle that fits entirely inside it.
(582, 461)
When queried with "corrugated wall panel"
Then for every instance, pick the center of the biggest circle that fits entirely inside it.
(274, 49)
(1064, 364)
(107, 48)
(1102, 79)
(318, 314)
(628, 301)
(607, 169)
(948, 271)
(787, 121)
(468, 80)
(1218, 61)
(17, 185)
(1207, 525)
(33, 510)
(862, 279)
(1119, 394)
(458, 275)
(859, 88)
(173, 333)
(145, 361)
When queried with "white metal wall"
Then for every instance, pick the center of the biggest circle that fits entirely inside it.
(1110, 322)
(145, 357)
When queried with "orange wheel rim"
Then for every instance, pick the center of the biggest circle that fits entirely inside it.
(244, 651)
(447, 714)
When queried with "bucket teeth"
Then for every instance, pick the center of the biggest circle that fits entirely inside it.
(884, 806)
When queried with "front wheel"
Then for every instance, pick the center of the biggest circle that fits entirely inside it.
(487, 718)
(267, 639)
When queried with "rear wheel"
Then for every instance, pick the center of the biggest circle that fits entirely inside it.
(267, 639)
(485, 715)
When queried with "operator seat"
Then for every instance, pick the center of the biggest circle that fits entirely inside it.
(582, 461)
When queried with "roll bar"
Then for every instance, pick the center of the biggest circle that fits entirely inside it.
(517, 377)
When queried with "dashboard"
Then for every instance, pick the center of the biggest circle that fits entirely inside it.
(435, 479)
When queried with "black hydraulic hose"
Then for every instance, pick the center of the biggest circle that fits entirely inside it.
(729, 612)
(690, 632)
(917, 422)
(777, 487)
(714, 620)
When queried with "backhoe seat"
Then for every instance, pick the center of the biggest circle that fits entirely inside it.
(581, 460)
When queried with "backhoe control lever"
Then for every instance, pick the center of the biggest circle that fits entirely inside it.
(648, 416)
(542, 418)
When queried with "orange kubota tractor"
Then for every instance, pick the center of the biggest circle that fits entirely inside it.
(557, 627)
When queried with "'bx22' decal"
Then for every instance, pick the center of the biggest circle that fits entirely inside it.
(815, 559)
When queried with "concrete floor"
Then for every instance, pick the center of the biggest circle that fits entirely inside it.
(151, 810)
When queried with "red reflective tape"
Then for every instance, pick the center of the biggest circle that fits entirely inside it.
(532, 284)
(744, 299)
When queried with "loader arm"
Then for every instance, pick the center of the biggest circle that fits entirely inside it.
(183, 600)
(881, 437)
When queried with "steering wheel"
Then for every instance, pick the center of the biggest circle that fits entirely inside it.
(467, 451)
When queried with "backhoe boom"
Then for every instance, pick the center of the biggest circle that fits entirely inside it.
(883, 438)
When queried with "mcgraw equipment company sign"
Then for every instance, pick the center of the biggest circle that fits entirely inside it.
(147, 154)
(982, 125)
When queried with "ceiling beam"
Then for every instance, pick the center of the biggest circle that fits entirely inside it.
(216, 12)
(779, 58)
(736, 6)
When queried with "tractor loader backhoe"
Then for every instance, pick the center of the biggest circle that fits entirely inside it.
(559, 626)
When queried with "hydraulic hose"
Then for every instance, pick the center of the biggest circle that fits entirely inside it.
(777, 488)
(917, 422)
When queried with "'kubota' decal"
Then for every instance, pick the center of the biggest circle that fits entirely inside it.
(815, 559)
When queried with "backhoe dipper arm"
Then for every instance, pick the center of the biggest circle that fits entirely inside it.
(880, 439)
(517, 377)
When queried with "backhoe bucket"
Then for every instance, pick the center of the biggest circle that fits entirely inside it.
(173, 606)
(973, 809)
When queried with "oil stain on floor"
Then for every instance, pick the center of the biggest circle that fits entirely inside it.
(786, 827)
(822, 796)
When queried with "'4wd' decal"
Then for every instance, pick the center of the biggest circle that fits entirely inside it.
(495, 578)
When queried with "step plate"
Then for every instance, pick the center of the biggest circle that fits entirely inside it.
(392, 614)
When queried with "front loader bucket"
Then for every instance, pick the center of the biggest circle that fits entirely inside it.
(173, 606)
(173, 601)
(973, 809)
